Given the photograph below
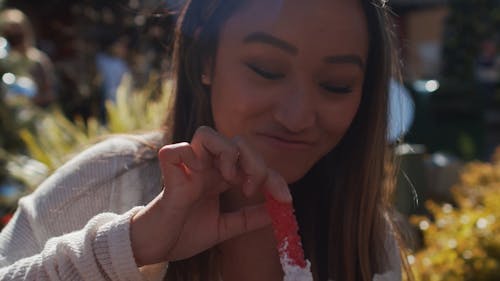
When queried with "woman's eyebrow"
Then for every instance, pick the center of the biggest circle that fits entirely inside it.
(266, 38)
(350, 58)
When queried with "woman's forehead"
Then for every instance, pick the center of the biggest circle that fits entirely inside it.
(337, 23)
(289, 11)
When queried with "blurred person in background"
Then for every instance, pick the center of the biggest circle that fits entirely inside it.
(26, 69)
(112, 65)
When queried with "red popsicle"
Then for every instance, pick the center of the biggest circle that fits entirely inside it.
(286, 232)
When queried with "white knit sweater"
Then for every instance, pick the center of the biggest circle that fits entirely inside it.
(75, 226)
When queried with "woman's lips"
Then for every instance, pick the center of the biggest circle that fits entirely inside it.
(283, 142)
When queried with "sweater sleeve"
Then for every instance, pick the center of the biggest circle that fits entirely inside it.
(99, 251)
(75, 225)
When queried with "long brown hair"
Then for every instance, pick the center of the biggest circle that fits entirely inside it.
(343, 223)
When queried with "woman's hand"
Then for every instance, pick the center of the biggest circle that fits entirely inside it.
(185, 218)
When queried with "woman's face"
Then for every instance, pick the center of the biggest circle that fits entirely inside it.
(288, 78)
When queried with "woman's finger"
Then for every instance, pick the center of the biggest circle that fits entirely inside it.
(253, 167)
(259, 176)
(214, 149)
(178, 162)
(277, 187)
(242, 221)
(178, 154)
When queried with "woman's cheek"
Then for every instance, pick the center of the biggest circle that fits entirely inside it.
(337, 119)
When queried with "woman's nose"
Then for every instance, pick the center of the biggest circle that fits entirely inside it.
(296, 110)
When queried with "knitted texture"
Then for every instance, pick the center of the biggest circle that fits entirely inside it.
(75, 226)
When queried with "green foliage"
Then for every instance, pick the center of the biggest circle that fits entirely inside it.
(50, 138)
(466, 145)
(139, 110)
(54, 138)
(16, 113)
(462, 241)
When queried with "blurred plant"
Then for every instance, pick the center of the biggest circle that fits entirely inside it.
(462, 241)
(53, 138)
(466, 145)
(17, 112)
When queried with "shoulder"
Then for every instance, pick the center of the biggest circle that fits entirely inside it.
(117, 148)
(85, 185)
(107, 159)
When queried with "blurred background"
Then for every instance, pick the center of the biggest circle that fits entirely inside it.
(71, 72)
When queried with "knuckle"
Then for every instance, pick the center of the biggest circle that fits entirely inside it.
(204, 131)
(170, 148)
(173, 152)
(233, 151)
(240, 143)
(164, 152)
(199, 133)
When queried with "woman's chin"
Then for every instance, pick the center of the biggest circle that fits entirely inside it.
(292, 176)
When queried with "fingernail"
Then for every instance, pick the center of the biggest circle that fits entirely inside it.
(285, 191)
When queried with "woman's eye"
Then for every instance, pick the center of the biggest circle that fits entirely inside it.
(264, 73)
(337, 89)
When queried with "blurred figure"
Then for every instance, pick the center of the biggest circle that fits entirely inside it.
(112, 65)
(488, 69)
(24, 68)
